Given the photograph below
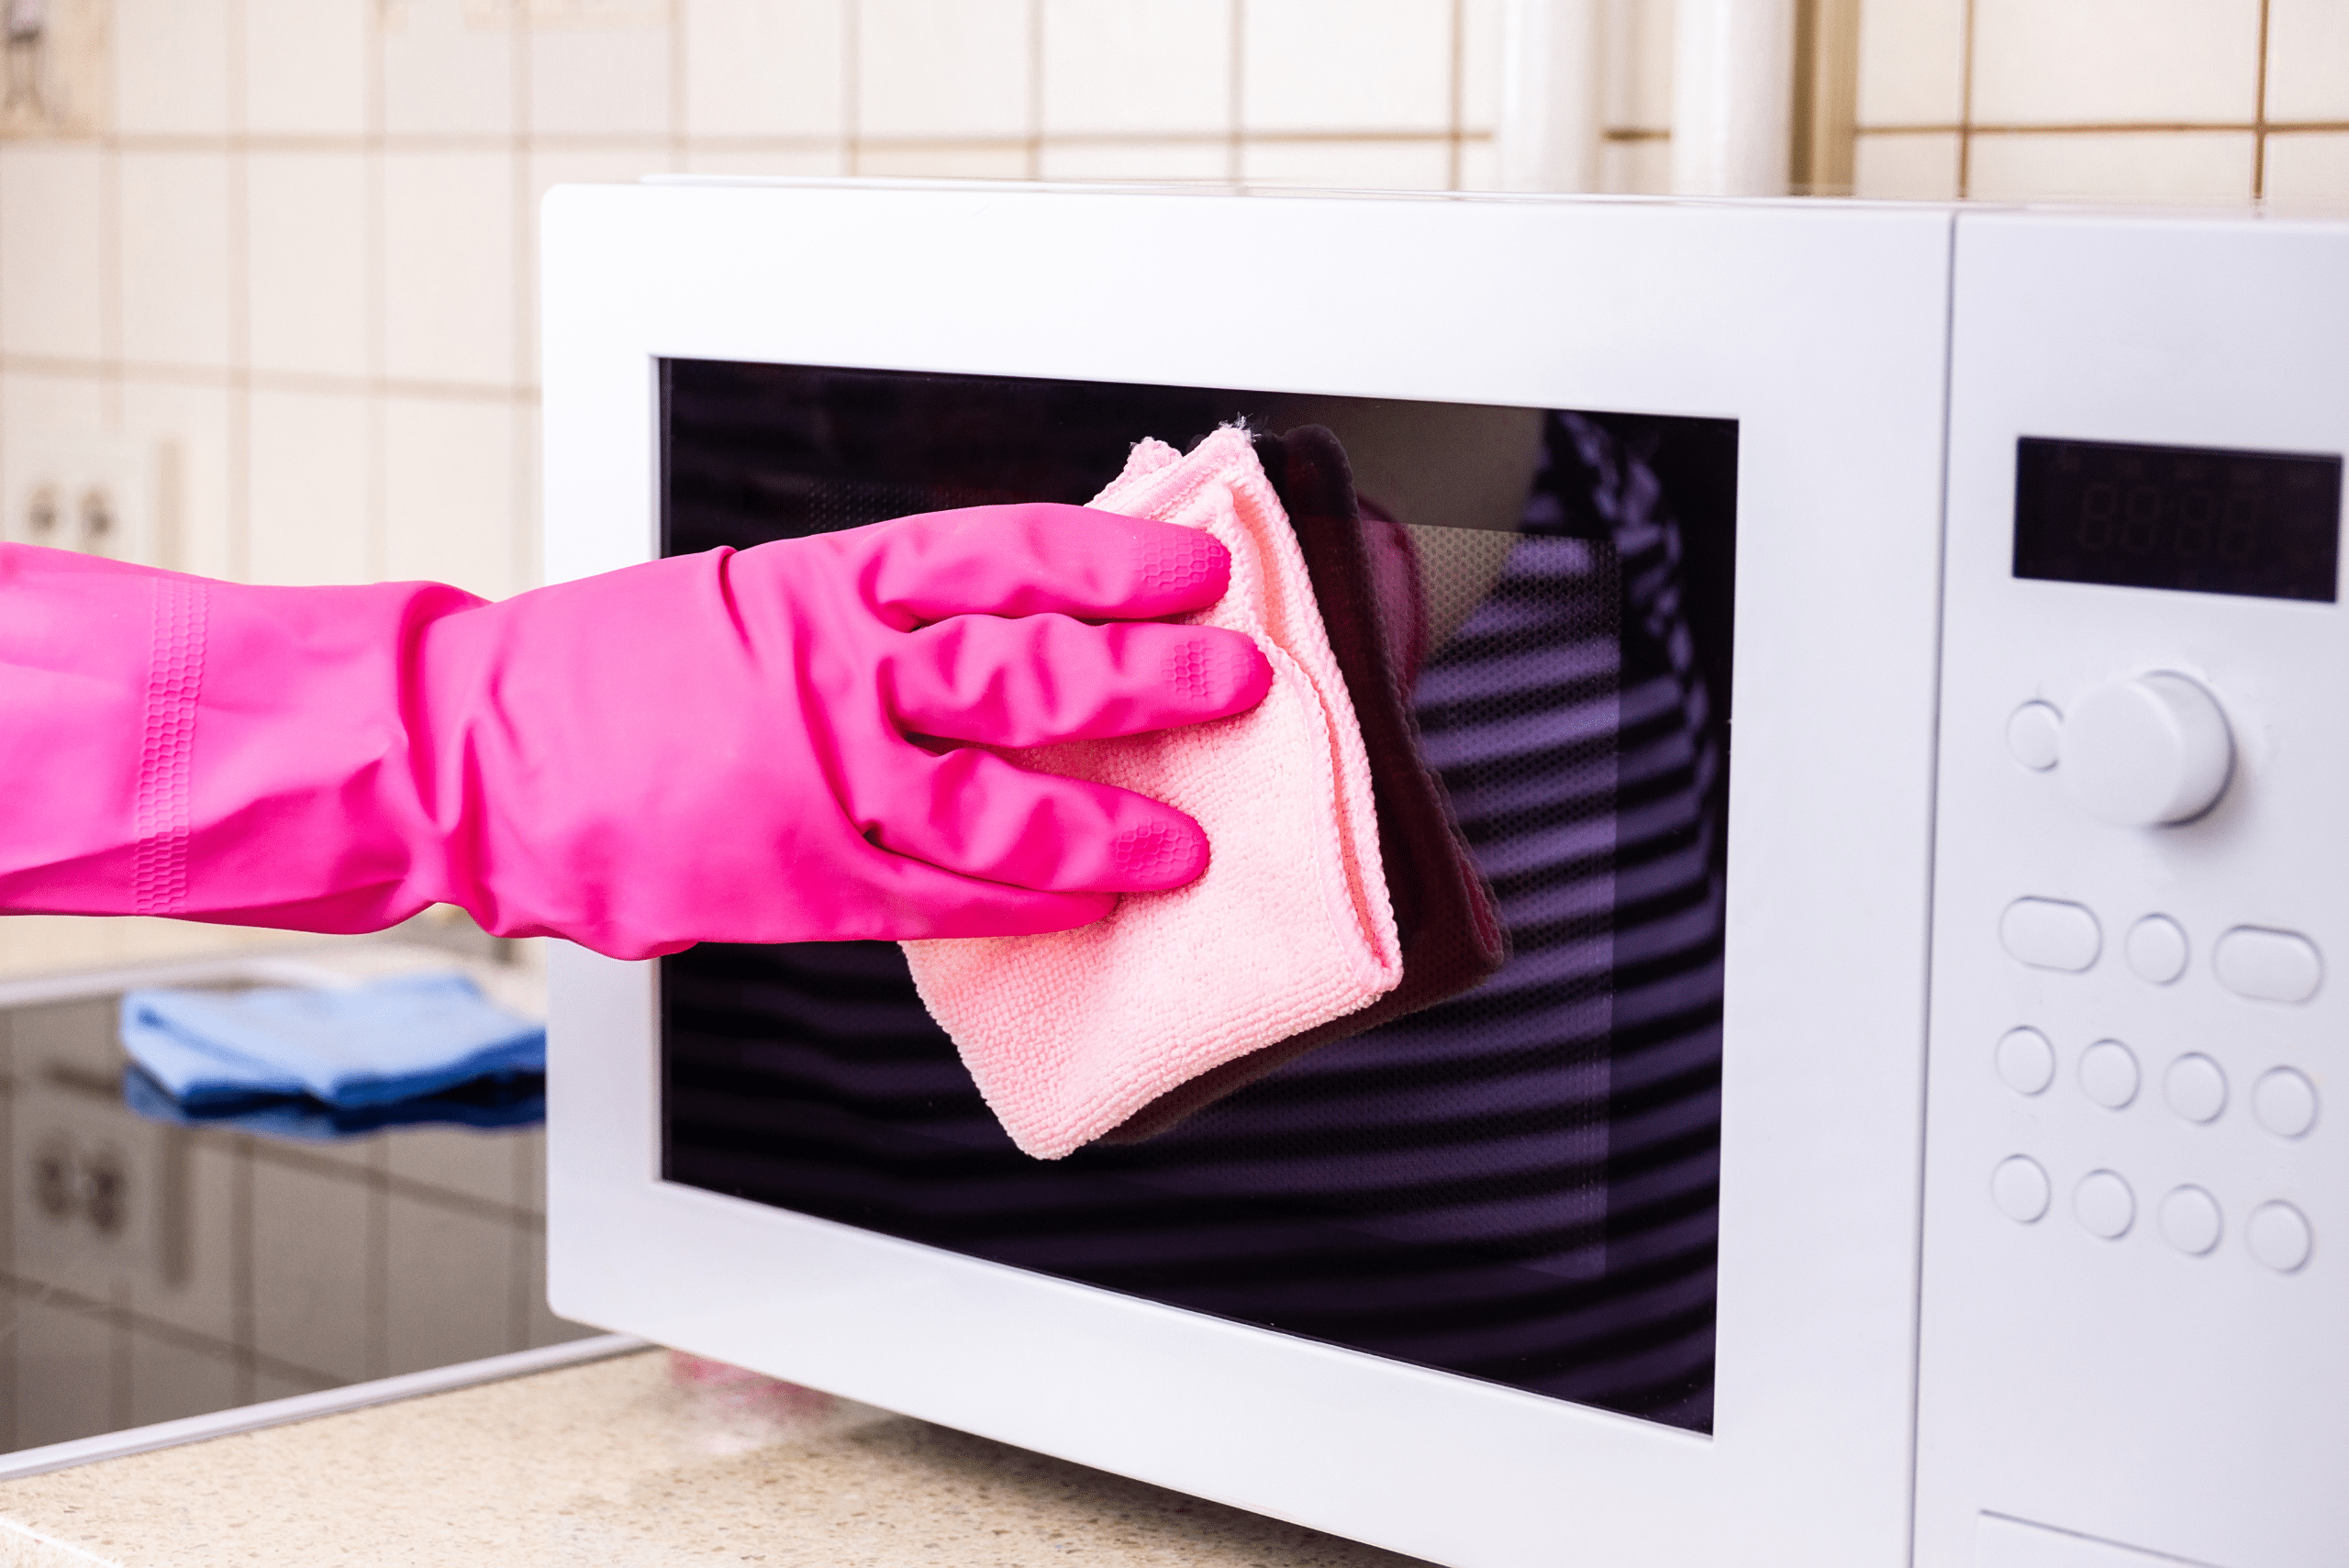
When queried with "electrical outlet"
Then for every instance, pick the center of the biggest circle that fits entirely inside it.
(97, 495)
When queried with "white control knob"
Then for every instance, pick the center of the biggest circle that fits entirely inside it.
(2147, 749)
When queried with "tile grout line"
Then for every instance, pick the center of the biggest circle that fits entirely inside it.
(192, 1341)
(110, 290)
(240, 541)
(1234, 138)
(641, 142)
(2259, 112)
(521, 543)
(121, 1390)
(377, 553)
(240, 1268)
(319, 383)
(1034, 151)
(1452, 146)
(851, 99)
(379, 1246)
(1966, 108)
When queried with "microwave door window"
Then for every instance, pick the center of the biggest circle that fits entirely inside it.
(1517, 1183)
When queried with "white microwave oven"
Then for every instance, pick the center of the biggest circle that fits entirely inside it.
(1888, 661)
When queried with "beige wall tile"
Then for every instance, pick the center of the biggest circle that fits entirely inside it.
(448, 1290)
(269, 1385)
(1347, 65)
(2308, 60)
(457, 1160)
(449, 267)
(174, 236)
(310, 1238)
(53, 268)
(203, 1302)
(1909, 167)
(169, 1381)
(541, 1326)
(190, 425)
(943, 161)
(171, 66)
(308, 483)
(306, 261)
(2309, 169)
(1912, 62)
(600, 80)
(2100, 61)
(1120, 161)
(530, 545)
(443, 74)
(1636, 55)
(1137, 66)
(1480, 64)
(63, 1360)
(1480, 165)
(530, 1150)
(449, 493)
(942, 68)
(766, 67)
(775, 163)
(306, 65)
(2154, 166)
(1636, 168)
(1348, 165)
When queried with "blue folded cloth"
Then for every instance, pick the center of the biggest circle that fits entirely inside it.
(486, 1105)
(370, 1045)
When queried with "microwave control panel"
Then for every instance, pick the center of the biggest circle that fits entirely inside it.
(2135, 1290)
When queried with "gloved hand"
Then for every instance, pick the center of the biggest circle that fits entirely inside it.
(740, 746)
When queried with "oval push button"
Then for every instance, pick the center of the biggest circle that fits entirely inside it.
(2267, 966)
(2026, 1061)
(2104, 1205)
(2156, 949)
(2035, 736)
(2019, 1186)
(2285, 1103)
(2280, 1237)
(2191, 1220)
(2046, 933)
(2109, 1074)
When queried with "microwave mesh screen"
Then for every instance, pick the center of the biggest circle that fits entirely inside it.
(1519, 1185)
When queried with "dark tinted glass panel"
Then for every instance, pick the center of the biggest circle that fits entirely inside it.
(2262, 524)
(1516, 1184)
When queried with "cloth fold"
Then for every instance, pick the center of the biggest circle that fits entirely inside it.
(484, 1104)
(375, 1044)
(1069, 1034)
(1365, 579)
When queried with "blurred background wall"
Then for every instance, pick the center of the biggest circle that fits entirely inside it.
(266, 265)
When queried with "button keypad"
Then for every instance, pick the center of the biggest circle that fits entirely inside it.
(2188, 1090)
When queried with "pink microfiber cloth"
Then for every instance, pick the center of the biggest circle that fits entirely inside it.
(1071, 1033)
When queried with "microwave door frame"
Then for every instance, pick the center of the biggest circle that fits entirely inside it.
(1822, 332)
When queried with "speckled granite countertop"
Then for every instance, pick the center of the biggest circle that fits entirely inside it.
(616, 1464)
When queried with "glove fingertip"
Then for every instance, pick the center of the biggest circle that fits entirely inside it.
(1216, 673)
(1161, 854)
(1177, 568)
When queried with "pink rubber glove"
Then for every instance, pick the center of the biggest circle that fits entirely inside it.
(717, 746)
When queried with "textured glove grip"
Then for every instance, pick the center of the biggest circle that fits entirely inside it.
(174, 682)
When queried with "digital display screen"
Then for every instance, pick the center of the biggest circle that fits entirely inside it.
(2196, 519)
